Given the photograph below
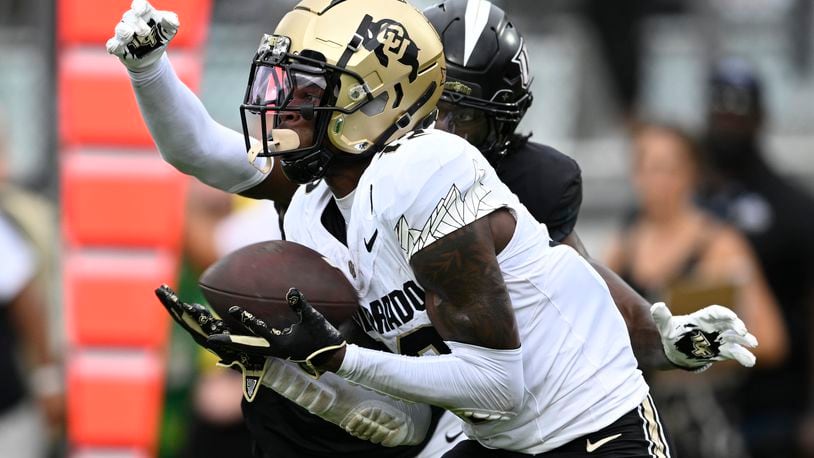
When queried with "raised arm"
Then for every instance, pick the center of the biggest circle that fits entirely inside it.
(186, 135)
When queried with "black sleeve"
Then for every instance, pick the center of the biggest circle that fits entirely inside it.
(548, 183)
(562, 219)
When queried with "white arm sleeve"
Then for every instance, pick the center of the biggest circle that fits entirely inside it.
(472, 381)
(361, 412)
(186, 135)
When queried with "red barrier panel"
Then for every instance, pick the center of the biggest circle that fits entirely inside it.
(109, 298)
(92, 21)
(127, 200)
(97, 105)
(114, 398)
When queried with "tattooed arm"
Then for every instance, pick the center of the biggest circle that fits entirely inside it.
(466, 298)
(469, 306)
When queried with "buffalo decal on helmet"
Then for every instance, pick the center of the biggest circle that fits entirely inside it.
(388, 38)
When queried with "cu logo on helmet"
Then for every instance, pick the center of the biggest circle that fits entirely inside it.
(392, 37)
(388, 40)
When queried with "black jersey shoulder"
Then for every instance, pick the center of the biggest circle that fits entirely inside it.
(548, 183)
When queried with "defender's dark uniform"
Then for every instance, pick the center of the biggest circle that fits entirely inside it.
(548, 183)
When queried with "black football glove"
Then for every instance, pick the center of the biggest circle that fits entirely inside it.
(200, 324)
(310, 341)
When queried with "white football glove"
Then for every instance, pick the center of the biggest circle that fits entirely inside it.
(714, 333)
(142, 35)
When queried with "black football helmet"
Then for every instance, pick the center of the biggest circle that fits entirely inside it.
(487, 67)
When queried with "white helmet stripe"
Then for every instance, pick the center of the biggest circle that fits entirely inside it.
(477, 15)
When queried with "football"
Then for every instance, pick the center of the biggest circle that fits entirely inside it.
(258, 276)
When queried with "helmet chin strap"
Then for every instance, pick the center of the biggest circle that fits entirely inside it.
(406, 118)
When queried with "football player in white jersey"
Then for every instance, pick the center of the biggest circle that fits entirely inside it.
(302, 164)
(339, 93)
(529, 348)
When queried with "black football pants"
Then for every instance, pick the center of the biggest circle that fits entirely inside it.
(638, 433)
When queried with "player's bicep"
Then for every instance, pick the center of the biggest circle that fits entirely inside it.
(467, 299)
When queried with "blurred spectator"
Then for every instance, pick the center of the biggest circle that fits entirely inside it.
(618, 28)
(217, 223)
(777, 216)
(673, 250)
(31, 384)
(619, 31)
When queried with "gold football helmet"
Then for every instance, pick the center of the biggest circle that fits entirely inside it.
(339, 80)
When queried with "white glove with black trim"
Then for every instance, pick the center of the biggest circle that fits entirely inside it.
(714, 333)
(142, 35)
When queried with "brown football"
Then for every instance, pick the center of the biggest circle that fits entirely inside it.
(257, 278)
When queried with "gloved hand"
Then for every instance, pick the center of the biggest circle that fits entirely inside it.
(714, 333)
(142, 35)
(309, 341)
(200, 324)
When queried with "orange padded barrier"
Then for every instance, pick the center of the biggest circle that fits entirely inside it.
(97, 105)
(92, 21)
(114, 398)
(128, 200)
(109, 297)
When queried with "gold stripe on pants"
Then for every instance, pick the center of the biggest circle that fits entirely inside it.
(653, 430)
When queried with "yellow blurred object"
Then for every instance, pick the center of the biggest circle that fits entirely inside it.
(240, 203)
(687, 296)
(207, 361)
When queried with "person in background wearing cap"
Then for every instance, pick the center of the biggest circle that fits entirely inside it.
(777, 216)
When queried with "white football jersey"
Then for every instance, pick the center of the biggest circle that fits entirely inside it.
(580, 372)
